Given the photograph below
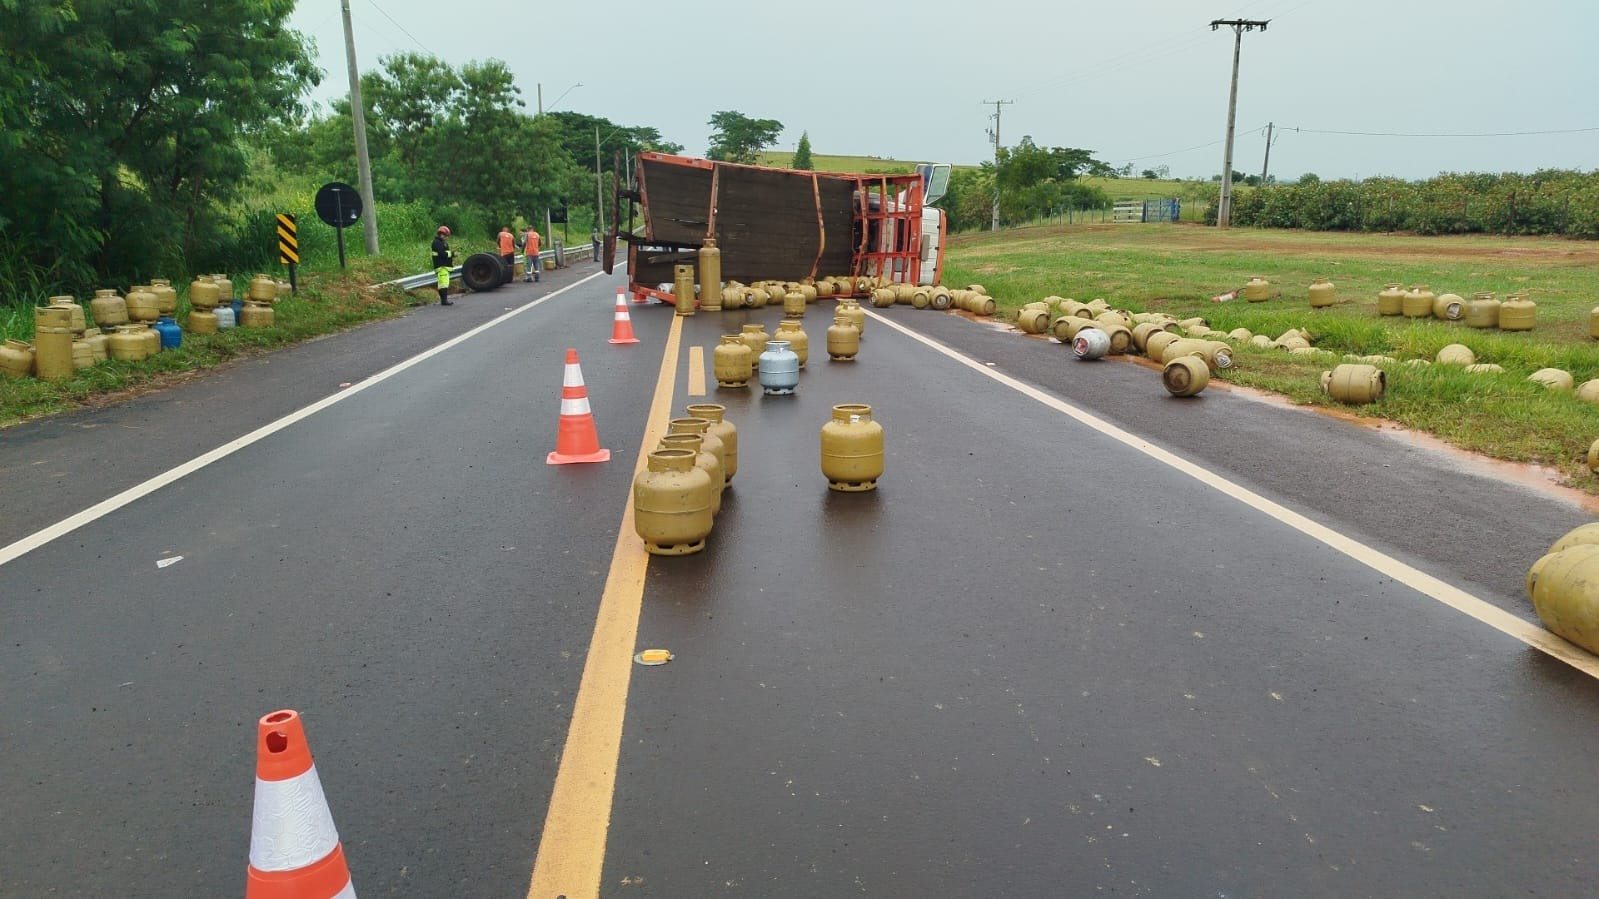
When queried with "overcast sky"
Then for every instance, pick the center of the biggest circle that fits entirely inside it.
(1141, 81)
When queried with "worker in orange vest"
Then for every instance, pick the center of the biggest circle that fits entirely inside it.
(530, 246)
(508, 250)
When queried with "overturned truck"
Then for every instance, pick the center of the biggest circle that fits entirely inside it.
(776, 224)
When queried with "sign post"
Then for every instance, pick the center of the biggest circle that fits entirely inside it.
(339, 205)
(289, 246)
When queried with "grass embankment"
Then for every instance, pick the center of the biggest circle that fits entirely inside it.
(326, 302)
(1177, 269)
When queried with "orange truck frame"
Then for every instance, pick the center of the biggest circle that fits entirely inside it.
(777, 224)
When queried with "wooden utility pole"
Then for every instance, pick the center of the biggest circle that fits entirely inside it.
(1224, 210)
(363, 163)
(994, 133)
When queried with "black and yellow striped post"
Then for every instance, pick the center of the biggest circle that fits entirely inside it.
(289, 246)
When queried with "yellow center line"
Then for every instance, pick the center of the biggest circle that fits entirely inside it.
(571, 853)
(696, 371)
(1417, 580)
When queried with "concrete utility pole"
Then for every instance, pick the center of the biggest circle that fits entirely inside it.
(1224, 210)
(1266, 165)
(363, 163)
(599, 211)
(994, 133)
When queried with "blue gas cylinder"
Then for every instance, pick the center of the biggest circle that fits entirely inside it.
(779, 368)
(171, 334)
(238, 311)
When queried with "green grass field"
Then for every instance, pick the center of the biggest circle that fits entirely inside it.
(1179, 268)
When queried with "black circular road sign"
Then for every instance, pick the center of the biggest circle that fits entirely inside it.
(338, 204)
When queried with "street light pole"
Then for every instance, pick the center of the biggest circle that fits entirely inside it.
(1224, 209)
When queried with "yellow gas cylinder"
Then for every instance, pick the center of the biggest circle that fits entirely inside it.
(826, 288)
(1185, 375)
(683, 289)
(852, 449)
(1565, 594)
(793, 331)
(722, 429)
(754, 297)
(1391, 300)
(108, 308)
(1155, 344)
(166, 296)
(16, 359)
(1456, 354)
(1356, 384)
(202, 321)
(1449, 307)
(224, 287)
(732, 362)
(1113, 318)
(1258, 290)
(852, 311)
(902, 293)
(262, 290)
(1482, 311)
(1593, 457)
(1260, 341)
(141, 304)
(1553, 379)
(52, 350)
(938, 297)
(126, 343)
(256, 315)
(1293, 343)
(1417, 302)
(710, 275)
(794, 304)
(1121, 339)
(1216, 354)
(1141, 332)
(1065, 327)
(808, 291)
(82, 355)
(843, 340)
(977, 288)
(1241, 335)
(733, 296)
(1032, 321)
(1519, 313)
(883, 297)
(755, 337)
(75, 318)
(1322, 293)
(672, 503)
(1593, 323)
(99, 345)
(204, 293)
(703, 459)
(151, 338)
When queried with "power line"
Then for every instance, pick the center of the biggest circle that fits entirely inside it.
(1445, 134)
(384, 13)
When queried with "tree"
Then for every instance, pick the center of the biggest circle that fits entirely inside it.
(122, 125)
(737, 138)
(802, 153)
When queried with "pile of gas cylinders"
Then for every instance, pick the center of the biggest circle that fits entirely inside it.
(130, 328)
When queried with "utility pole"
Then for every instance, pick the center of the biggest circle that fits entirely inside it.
(994, 134)
(363, 163)
(1224, 210)
(599, 211)
(1266, 166)
(549, 226)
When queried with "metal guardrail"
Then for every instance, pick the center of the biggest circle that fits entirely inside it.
(429, 279)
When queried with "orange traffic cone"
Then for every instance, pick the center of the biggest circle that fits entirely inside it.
(576, 440)
(294, 849)
(622, 328)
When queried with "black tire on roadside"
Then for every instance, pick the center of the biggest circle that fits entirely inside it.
(483, 271)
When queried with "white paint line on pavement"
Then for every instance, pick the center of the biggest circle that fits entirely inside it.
(1415, 579)
(107, 506)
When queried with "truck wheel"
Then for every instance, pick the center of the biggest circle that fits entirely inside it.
(483, 271)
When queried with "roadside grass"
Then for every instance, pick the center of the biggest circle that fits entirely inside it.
(327, 302)
(1178, 269)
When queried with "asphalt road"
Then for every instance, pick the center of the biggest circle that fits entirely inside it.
(1034, 662)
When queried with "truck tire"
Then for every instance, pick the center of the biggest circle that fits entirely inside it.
(483, 271)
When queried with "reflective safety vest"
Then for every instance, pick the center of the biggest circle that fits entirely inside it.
(531, 242)
(507, 243)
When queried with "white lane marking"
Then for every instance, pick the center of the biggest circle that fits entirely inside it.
(106, 506)
(1415, 579)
